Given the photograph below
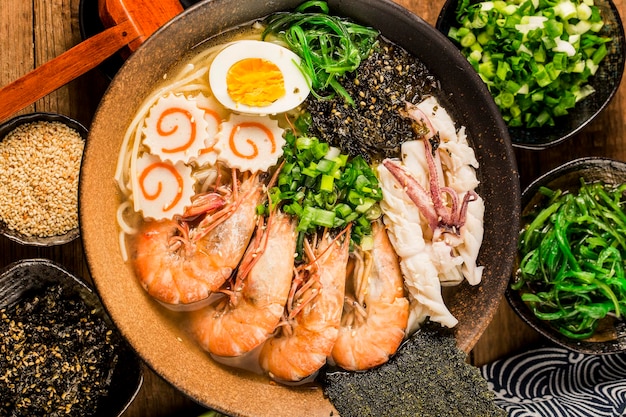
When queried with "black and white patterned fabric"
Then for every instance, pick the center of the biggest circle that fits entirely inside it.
(555, 382)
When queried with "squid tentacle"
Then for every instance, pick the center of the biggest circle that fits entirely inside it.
(414, 190)
(440, 217)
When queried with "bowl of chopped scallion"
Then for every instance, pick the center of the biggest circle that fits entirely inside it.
(550, 66)
(569, 283)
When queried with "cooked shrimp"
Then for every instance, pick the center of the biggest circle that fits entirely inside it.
(313, 314)
(374, 321)
(180, 264)
(239, 323)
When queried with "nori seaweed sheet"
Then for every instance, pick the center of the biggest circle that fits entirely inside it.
(428, 376)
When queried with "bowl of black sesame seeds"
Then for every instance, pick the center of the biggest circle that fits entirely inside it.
(60, 354)
(40, 158)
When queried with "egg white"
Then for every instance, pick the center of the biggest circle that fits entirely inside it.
(296, 85)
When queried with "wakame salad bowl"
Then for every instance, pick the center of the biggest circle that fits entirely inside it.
(610, 335)
(604, 82)
(154, 331)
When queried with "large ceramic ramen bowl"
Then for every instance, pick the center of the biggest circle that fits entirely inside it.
(152, 330)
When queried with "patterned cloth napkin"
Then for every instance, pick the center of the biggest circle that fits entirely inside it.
(555, 382)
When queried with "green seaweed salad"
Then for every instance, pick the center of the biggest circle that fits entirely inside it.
(535, 56)
(329, 46)
(572, 254)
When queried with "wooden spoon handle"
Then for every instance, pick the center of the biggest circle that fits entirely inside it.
(147, 15)
(64, 68)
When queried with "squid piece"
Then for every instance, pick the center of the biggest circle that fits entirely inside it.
(432, 210)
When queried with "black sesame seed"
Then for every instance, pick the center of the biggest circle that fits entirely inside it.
(384, 81)
(54, 357)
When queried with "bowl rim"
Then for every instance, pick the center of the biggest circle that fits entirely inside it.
(442, 24)
(513, 298)
(7, 127)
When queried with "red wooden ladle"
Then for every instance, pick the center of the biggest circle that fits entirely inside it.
(128, 23)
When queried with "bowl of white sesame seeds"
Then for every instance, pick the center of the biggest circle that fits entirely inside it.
(40, 159)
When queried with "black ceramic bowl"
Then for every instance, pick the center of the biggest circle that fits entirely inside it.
(6, 128)
(26, 279)
(158, 338)
(611, 334)
(605, 82)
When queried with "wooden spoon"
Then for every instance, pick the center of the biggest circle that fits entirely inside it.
(147, 15)
(129, 22)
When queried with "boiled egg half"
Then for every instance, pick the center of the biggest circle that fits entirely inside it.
(257, 77)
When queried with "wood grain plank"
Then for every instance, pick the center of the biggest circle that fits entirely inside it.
(33, 32)
(56, 29)
(16, 41)
(53, 36)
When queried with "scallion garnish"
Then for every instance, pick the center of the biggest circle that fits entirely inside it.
(324, 188)
(535, 57)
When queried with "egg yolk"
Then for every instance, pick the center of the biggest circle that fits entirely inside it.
(255, 82)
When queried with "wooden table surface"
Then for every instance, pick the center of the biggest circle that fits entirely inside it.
(33, 32)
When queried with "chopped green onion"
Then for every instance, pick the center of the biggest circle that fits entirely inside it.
(550, 47)
(325, 189)
(314, 216)
(327, 183)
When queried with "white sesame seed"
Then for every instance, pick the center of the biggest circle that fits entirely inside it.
(39, 170)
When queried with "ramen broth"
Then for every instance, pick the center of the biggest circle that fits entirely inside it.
(189, 78)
